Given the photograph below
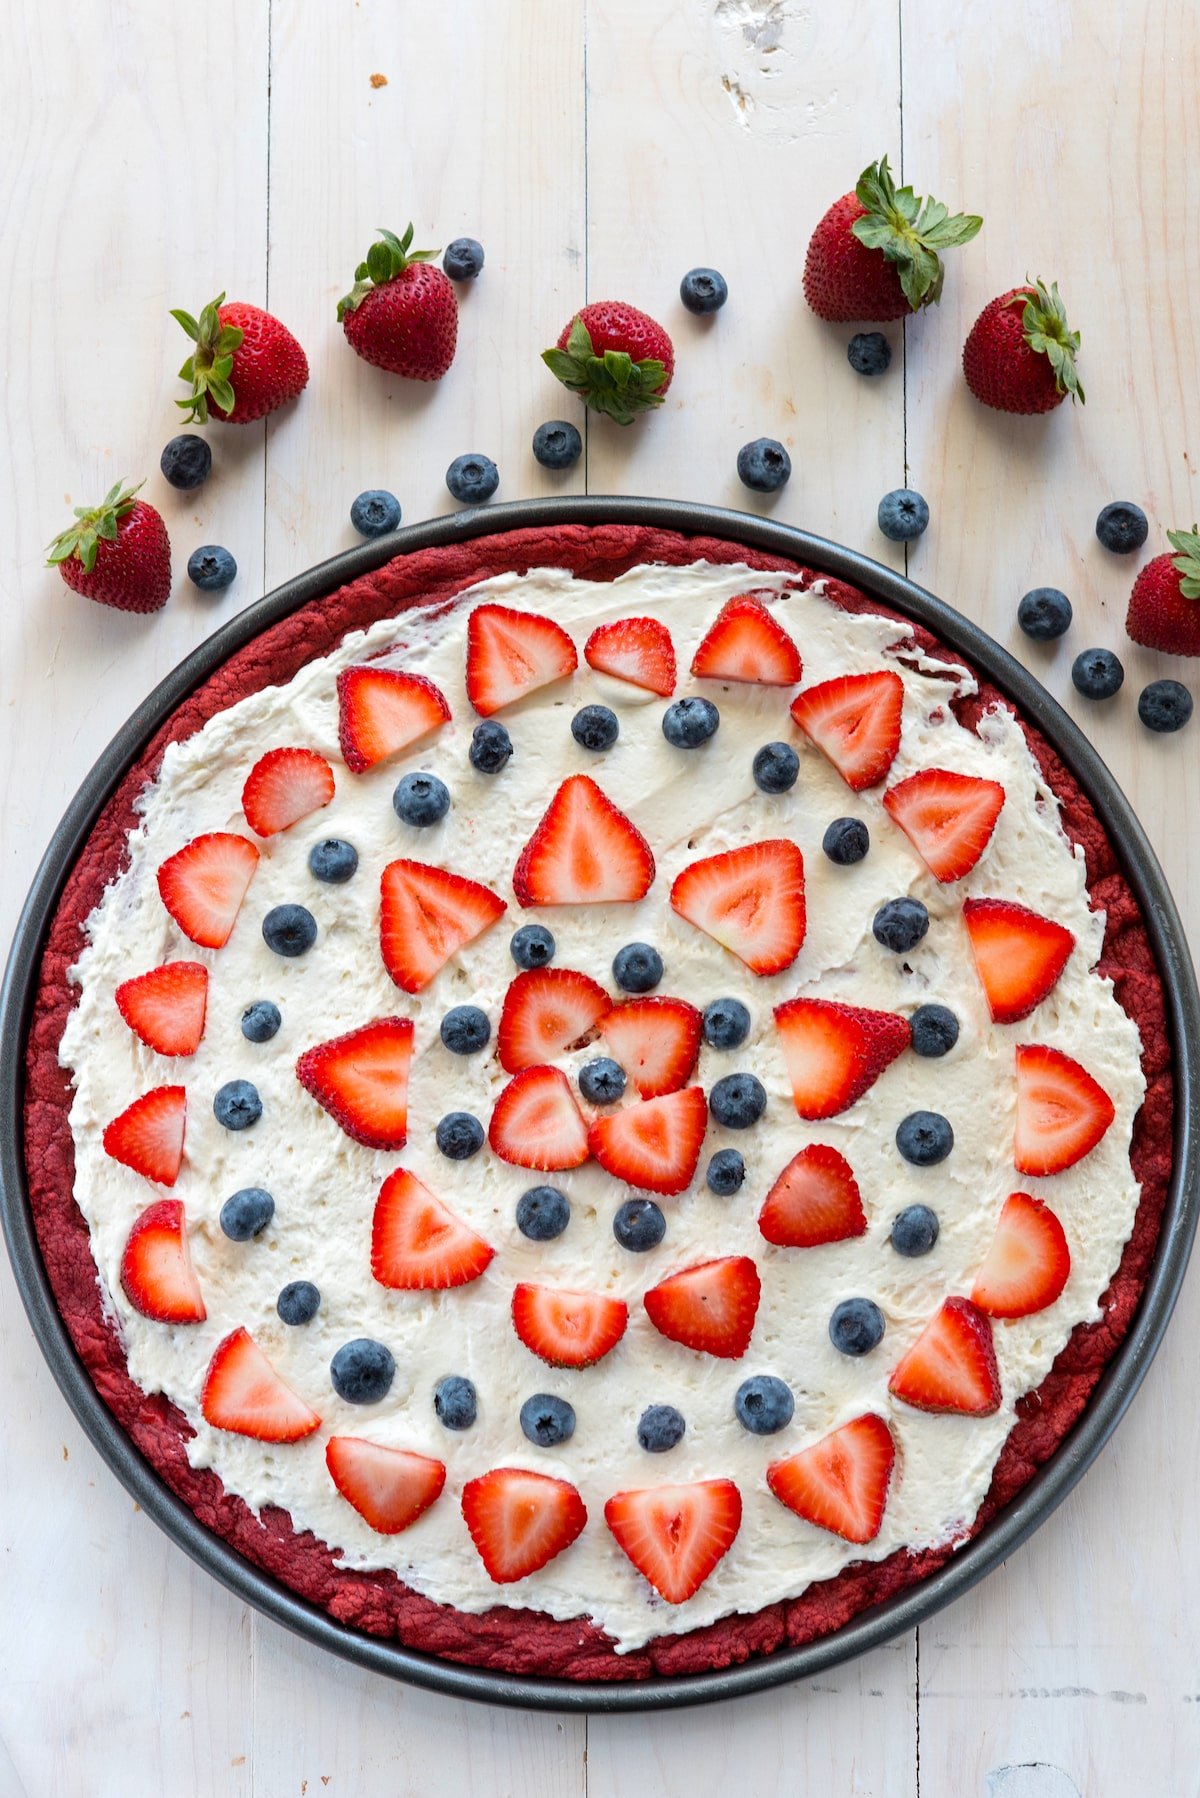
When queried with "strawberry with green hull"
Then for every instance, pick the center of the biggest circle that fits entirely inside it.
(117, 553)
(1020, 352)
(617, 359)
(1164, 607)
(401, 314)
(245, 364)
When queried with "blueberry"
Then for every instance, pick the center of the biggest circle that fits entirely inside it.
(934, 1030)
(1097, 673)
(924, 1138)
(902, 515)
(1044, 613)
(375, 513)
(491, 746)
(333, 861)
(362, 1371)
(237, 1105)
(1164, 705)
(421, 800)
(764, 1404)
(900, 924)
(557, 444)
(1122, 527)
(289, 930)
(846, 841)
(775, 768)
(186, 462)
(703, 290)
(532, 946)
(247, 1213)
(211, 568)
(465, 1030)
(726, 1172)
(869, 353)
(543, 1213)
(602, 1081)
(260, 1021)
(637, 968)
(472, 479)
(856, 1326)
(763, 465)
(595, 727)
(660, 1427)
(689, 722)
(459, 1135)
(547, 1420)
(639, 1225)
(737, 1101)
(455, 1403)
(299, 1302)
(726, 1024)
(914, 1231)
(463, 259)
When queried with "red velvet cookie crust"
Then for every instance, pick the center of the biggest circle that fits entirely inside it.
(526, 1641)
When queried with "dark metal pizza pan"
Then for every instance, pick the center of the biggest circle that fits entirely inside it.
(1012, 1525)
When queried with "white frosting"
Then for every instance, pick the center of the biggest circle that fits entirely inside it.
(687, 805)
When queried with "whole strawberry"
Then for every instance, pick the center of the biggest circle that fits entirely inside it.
(244, 364)
(1164, 607)
(876, 253)
(117, 553)
(401, 313)
(1020, 352)
(617, 359)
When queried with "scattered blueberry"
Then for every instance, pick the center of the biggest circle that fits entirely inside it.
(846, 841)
(472, 479)
(915, 1231)
(211, 568)
(375, 513)
(1097, 673)
(465, 1030)
(775, 768)
(1044, 613)
(764, 1404)
(547, 1420)
(260, 1021)
(289, 930)
(1122, 527)
(543, 1213)
(333, 861)
(247, 1213)
(703, 290)
(725, 1174)
(737, 1101)
(1164, 705)
(639, 1225)
(726, 1024)
(660, 1427)
(557, 444)
(421, 800)
(237, 1105)
(299, 1302)
(532, 946)
(463, 259)
(856, 1326)
(490, 748)
(869, 353)
(459, 1135)
(595, 727)
(602, 1081)
(902, 515)
(934, 1030)
(637, 968)
(900, 924)
(689, 722)
(924, 1138)
(455, 1403)
(186, 462)
(362, 1371)
(763, 465)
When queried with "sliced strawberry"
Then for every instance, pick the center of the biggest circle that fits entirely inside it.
(388, 1487)
(841, 1482)
(948, 818)
(203, 884)
(1061, 1111)
(536, 1122)
(675, 1535)
(382, 711)
(854, 720)
(637, 650)
(166, 1007)
(1018, 954)
(545, 1011)
(746, 643)
(148, 1135)
(243, 1393)
(361, 1079)
(815, 1200)
(510, 654)
(952, 1364)
(156, 1268)
(750, 900)
(519, 1521)
(1028, 1263)
(583, 852)
(417, 1243)
(835, 1052)
(656, 1041)
(710, 1307)
(654, 1144)
(284, 786)
(428, 915)
(567, 1329)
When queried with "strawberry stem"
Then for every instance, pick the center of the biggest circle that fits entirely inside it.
(210, 364)
(1047, 332)
(613, 383)
(93, 525)
(385, 261)
(910, 231)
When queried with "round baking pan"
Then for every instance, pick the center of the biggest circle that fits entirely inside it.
(1010, 1526)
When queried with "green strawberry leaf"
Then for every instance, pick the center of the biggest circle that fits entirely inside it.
(1187, 562)
(1046, 331)
(909, 231)
(96, 523)
(385, 261)
(187, 321)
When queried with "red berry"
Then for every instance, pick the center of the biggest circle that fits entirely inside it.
(1020, 352)
(117, 553)
(402, 314)
(1164, 607)
(244, 364)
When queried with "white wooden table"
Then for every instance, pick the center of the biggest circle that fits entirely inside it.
(150, 155)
